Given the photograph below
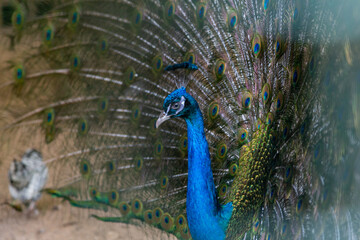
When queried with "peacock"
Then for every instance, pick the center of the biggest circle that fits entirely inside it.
(206, 119)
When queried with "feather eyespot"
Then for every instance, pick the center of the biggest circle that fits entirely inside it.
(19, 75)
(201, 11)
(233, 169)
(266, 5)
(245, 99)
(138, 163)
(148, 217)
(180, 221)
(48, 34)
(103, 105)
(279, 102)
(266, 93)
(256, 44)
(85, 168)
(158, 148)
(232, 19)
(169, 9)
(190, 57)
(280, 46)
(268, 236)
(83, 127)
(167, 222)
(157, 213)
(136, 18)
(124, 208)
(243, 135)
(277, 47)
(296, 14)
(283, 229)
(220, 68)
(93, 193)
(110, 167)
(103, 46)
(130, 76)
(185, 233)
(299, 205)
(135, 113)
(136, 206)
(183, 143)
(288, 174)
(18, 19)
(221, 151)
(223, 190)
(49, 117)
(256, 225)
(271, 195)
(164, 181)
(213, 110)
(247, 102)
(74, 18)
(295, 76)
(157, 64)
(75, 63)
(269, 118)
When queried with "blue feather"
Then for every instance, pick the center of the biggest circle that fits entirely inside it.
(207, 219)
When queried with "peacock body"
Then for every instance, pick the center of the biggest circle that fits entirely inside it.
(257, 155)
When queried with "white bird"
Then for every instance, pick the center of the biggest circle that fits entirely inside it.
(27, 177)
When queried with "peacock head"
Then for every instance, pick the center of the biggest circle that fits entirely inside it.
(177, 104)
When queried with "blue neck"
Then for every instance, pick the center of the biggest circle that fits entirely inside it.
(207, 219)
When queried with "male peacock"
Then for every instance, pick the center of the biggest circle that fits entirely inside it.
(261, 157)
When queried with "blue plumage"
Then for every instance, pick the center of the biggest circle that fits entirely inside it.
(207, 219)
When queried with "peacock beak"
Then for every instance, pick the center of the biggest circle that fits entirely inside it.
(162, 118)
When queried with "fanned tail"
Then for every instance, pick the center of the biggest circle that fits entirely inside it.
(89, 78)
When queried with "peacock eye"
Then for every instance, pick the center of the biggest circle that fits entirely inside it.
(175, 106)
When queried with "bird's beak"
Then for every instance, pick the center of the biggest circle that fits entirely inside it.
(162, 118)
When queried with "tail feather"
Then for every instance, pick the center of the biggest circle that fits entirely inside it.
(88, 84)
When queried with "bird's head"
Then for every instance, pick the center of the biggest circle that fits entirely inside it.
(177, 104)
